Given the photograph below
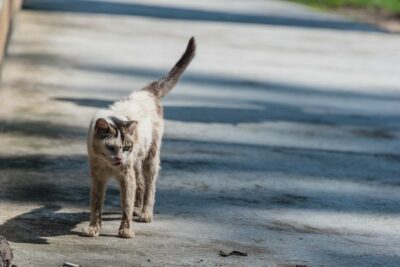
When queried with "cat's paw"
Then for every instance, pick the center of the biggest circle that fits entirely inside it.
(91, 231)
(137, 211)
(144, 217)
(126, 233)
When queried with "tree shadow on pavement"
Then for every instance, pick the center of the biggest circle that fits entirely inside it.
(36, 225)
(200, 79)
(179, 13)
(262, 165)
(41, 223)
(42, 129)
(269, 111)
(193, 78)
(48, 179)
(52, 182)
(364, 107)
(58, 181)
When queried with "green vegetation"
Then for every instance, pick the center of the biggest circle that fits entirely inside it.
(387, 6)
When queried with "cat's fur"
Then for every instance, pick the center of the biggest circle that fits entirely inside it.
(124, 142)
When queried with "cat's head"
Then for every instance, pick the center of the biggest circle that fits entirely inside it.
(114, 140)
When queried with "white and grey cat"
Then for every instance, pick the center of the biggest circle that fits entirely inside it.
(124, 142)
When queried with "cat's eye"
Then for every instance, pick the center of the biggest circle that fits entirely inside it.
(126, 148)
(110, 147)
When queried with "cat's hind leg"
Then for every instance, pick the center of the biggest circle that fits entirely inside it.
(151, 167)
(140, 186)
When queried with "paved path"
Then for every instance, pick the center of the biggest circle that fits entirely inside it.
(282, 140)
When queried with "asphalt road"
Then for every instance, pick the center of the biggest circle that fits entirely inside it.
(282, 140)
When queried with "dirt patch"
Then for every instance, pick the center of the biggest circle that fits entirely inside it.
(385, 20)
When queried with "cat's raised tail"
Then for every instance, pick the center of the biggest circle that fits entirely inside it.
(161, 87)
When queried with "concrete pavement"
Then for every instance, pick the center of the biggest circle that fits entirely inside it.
(282, 140)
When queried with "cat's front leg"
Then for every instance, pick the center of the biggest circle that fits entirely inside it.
(97, 192)
(128, 189)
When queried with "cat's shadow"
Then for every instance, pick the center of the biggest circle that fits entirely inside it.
(38, 224)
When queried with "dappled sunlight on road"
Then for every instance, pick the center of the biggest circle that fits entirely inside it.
(282, 139)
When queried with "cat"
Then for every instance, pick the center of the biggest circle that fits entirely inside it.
(124, 142)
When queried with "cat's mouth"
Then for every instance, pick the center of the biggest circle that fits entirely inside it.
(117, 163)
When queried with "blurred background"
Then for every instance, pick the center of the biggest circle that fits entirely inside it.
(282, 139)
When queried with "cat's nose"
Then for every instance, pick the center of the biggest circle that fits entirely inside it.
(118, 158)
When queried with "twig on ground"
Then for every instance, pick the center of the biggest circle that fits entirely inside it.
(232, 253)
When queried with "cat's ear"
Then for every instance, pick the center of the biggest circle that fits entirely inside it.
(130, 126)
(103, 129)
(101, 124)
